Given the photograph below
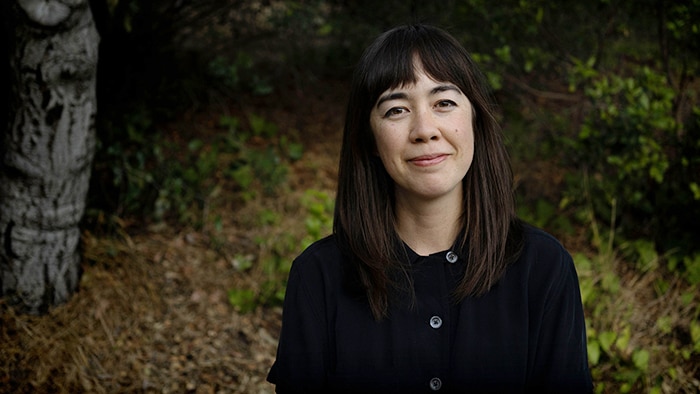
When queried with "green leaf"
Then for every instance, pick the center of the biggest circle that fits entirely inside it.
(648, 258)
(195, 144)
(625, 387)
(243, 176)
(640, 358)
(673, 373)
(588, 290)
(503, 53)
(295, 151)
(611, 282)
(687, 298)
(593, 352)
(582, 262)
(628, 376)
(692, 269)
(242, 299)
(623, 339)
(695, 188)
(664, 324)
(606, 340)
(695, 335)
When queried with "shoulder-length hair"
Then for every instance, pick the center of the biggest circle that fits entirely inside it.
(364, 222)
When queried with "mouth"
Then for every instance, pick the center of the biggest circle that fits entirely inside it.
(428, 160)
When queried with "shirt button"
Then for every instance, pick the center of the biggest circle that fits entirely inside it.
(435, 322)
(435, 384)
(451, 257)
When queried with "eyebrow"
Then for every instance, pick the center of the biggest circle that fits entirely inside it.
(402, 95)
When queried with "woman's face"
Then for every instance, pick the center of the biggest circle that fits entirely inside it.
(424, 137)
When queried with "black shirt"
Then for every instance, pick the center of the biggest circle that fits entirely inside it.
(527, 334)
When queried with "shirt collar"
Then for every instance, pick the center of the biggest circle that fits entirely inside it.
(414, 257)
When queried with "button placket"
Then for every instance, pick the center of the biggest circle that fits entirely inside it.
(436, 321)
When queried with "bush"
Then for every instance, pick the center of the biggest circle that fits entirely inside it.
(632, 149)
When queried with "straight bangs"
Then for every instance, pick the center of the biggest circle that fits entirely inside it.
(391, 66)
(392, 62)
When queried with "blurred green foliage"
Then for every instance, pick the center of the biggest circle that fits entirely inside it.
(278, 249)
(634, 148)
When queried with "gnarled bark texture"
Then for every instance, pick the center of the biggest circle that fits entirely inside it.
(47, 150)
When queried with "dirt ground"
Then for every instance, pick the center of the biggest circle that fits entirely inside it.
(152, 313)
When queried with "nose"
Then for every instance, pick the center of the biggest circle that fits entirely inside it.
(424, 127)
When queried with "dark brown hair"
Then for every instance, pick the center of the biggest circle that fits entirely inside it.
(364, 223)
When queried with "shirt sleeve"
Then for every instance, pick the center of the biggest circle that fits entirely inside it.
(300, 366)
(560, 355)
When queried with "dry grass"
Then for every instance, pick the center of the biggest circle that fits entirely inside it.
(153, 316)
(631, 304)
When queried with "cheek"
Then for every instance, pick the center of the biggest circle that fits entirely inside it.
(384, 143)
(376, 143)
(464, 136)
(467, 142)
(385, 150)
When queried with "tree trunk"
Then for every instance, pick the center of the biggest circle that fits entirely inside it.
(48, 147)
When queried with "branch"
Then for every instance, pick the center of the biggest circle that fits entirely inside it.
(540, 93)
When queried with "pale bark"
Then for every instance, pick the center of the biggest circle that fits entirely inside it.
(47, 150)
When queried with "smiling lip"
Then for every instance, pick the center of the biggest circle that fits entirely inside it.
(428, 160)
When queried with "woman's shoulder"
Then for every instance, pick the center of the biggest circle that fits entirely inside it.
(321, 255)
(544, 253)
(318, 269)
(323, 248)
(538, 240)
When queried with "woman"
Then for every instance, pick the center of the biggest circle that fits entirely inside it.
(429, 282)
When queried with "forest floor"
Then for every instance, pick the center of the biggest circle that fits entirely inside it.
(152, 313)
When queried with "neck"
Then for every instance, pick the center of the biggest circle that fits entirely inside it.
(429, 226)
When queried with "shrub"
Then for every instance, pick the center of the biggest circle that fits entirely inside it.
(632, 148)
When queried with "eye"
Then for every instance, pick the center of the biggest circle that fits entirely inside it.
(445, 104)
(394, 111)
